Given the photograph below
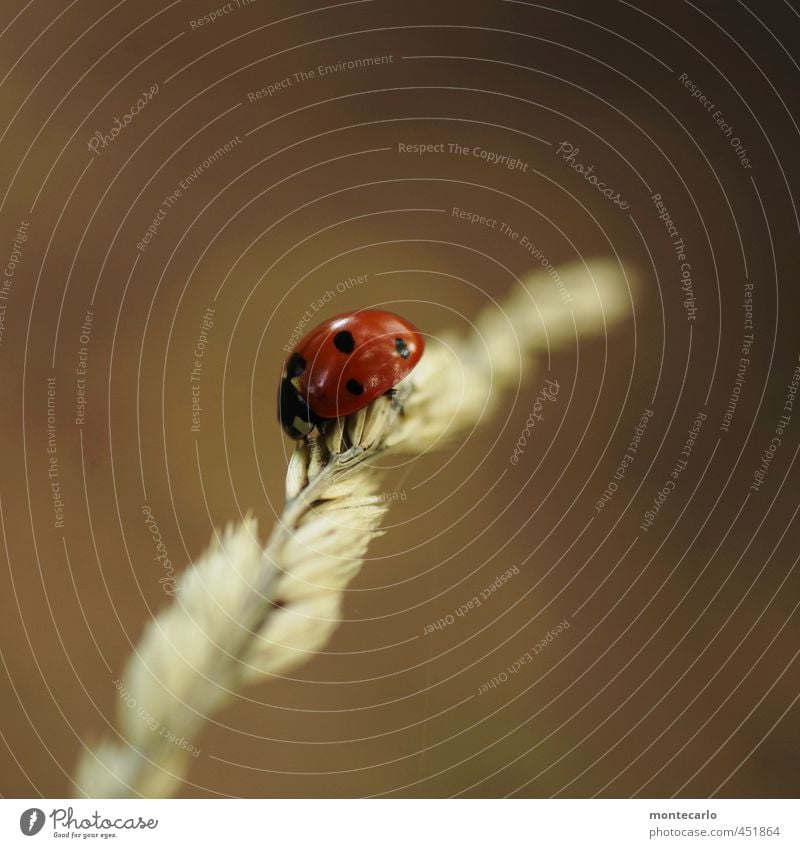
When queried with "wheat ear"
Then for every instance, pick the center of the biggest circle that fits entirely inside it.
(244, 612)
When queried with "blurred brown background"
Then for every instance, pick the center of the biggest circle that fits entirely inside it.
(678, 673)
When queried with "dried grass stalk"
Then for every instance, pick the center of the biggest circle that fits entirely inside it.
(244, 612)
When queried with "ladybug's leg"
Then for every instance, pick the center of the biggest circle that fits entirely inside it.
(391, 394)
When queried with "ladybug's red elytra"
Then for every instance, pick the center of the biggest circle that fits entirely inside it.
(342, 365)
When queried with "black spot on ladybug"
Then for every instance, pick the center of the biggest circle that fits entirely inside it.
(401, 347)
(293, 411)
(354, 387)
(345, 342)
(295, 366)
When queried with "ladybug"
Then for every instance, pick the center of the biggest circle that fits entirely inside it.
(342, 365)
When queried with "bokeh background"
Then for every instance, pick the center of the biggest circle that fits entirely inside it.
(678, 673)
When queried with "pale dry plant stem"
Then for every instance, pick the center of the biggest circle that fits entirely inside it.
(245, 612)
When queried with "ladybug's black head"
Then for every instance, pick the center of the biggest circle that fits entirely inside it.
(296, 418)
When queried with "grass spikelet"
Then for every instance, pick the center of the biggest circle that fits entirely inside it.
(244, 612)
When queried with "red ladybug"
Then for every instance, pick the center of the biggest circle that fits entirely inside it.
(342, 365)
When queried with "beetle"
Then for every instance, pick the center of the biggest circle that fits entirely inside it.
(342, 365)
